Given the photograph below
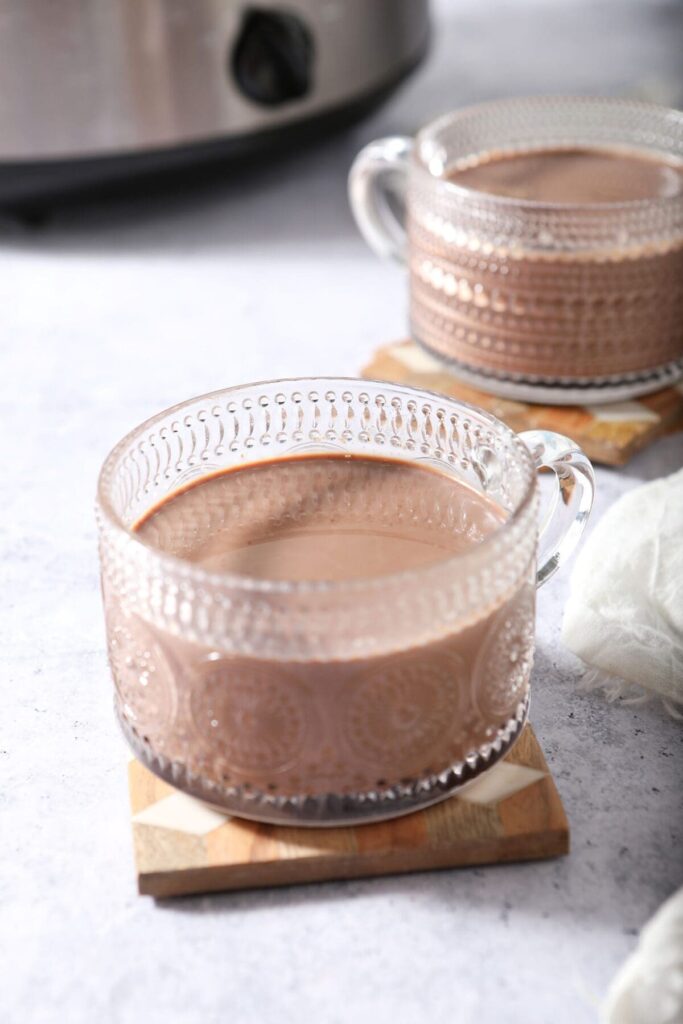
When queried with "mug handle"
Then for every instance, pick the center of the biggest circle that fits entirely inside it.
(377, 195)
(567, 517)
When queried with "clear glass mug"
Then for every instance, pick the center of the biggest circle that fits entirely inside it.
(317, 703)
(513, 290)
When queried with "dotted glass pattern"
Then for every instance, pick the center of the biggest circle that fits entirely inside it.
(546, 293)
(319, 702)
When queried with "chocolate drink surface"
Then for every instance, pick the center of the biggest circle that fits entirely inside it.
(319, 518)
(348, 724)
(572, 176)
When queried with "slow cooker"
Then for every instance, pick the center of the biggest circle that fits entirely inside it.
(96, 91)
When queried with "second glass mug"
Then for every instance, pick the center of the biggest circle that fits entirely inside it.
(330, 703)
(521, 294)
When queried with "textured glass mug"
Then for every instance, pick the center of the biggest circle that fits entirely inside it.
(515, 290)
(323, 703)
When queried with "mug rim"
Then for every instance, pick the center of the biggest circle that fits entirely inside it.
(107, 517)
(464, 192)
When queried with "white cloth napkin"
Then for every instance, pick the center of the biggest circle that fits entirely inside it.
(624, 617)
(649, 987)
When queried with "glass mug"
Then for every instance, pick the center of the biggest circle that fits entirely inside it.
(330, 703)
(520, 293)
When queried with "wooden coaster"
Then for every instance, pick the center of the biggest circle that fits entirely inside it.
(183, 846)
(609, 433)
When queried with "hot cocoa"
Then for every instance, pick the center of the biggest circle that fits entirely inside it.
(351, 724)
(511, 302)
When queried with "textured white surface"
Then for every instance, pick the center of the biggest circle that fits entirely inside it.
(109, 314)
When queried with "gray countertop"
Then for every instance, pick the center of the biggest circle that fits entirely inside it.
(108, 314)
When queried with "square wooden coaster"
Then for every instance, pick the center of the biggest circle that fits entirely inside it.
(183, 846)
(610, 433)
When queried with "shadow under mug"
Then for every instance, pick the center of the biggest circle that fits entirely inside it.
(331, 703)
(519, 293)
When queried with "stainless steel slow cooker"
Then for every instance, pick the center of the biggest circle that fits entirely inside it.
(94, 90)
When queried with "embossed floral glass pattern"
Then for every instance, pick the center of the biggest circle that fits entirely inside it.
(322, 702)
(519, 290)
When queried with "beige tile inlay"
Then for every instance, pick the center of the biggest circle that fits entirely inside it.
(623, 412)
(182, 814)
(501, 781)
(416, 359)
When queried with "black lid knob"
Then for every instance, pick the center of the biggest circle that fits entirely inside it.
(273, 57)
